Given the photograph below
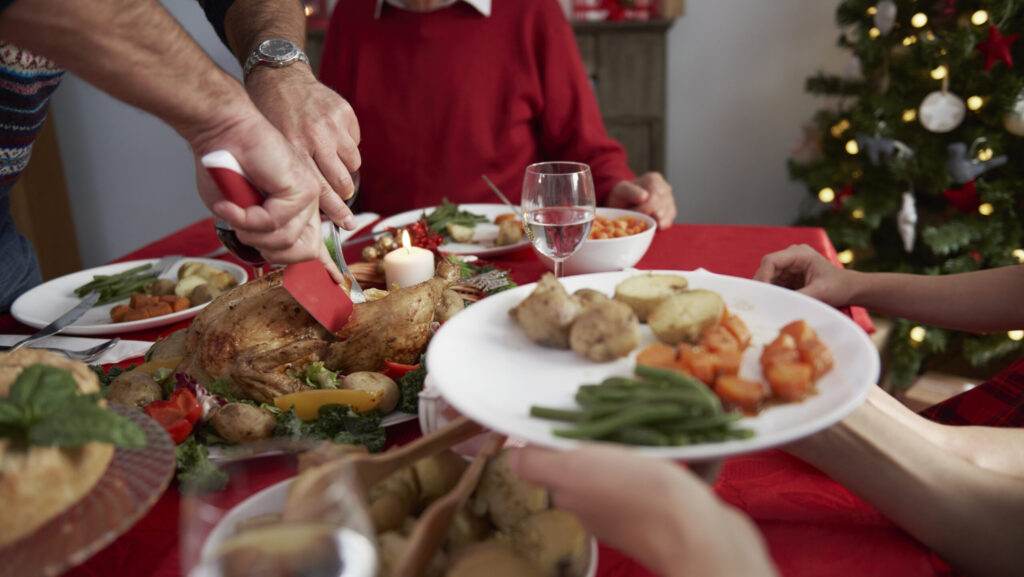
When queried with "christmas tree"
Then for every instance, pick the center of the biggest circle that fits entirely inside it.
(917, 164)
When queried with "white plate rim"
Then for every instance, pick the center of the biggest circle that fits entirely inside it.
(488, 210)
(454, 377)
(57, 296)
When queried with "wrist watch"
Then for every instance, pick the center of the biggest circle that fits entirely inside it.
(276, 53)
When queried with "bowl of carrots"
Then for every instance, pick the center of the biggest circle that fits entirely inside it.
(618, 240)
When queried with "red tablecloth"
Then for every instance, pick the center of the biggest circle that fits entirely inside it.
(813, 526)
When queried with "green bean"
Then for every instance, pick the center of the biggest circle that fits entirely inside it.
(677, 378)
(642, 436)
(701, 423)
(621, 382)
(639, 415)
(118, 286)
(557, 414)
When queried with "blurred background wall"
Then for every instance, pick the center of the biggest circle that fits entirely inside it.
(736, 71)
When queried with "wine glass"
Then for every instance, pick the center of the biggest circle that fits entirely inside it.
(558, 208)
(243, 252)
(315, 525)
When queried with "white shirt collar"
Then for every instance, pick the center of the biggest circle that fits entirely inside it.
(482, 6)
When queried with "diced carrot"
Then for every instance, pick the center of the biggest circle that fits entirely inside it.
(790, 381)
(141, 300)
(117, 313)
(718, 338)
(817, 354)
(728, 362)
(781, 350)
(135, 315)
(741, 392)
(738, 328)
(697, 361)
(799, 330)
(158, 310)
(658, 355)
(506, 216)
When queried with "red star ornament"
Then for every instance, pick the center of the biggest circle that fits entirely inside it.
(965, 199)
(997, 47)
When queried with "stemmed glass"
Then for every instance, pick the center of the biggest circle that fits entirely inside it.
(249, 255)
(558, 208)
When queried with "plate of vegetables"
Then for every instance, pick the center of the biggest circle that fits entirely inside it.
(461, 229)
(551, 396)
(133, 286)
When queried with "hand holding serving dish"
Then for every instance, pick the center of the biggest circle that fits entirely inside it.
(508, 373)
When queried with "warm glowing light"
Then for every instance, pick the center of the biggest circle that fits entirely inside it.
(909, 40)
(406, 241)
(929, 36)
(852, 147)
(309, 10)
(985, 154)
(857, 173)
(874, 33)
(919, 20)
(858, 213)
(939, 72)
(986, 209)
(845, 257)
(1015, 335)
(826, 195)
(917, 334)
(840, 127)
(978, 18)
(909, 115)
(975, 102)
(1019, 253)
(872, 11)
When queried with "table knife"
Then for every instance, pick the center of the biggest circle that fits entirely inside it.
(61, 323)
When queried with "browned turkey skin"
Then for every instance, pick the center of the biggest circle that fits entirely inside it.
(257, 335)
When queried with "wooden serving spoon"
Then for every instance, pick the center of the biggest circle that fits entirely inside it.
(432, 528)
(368, 470)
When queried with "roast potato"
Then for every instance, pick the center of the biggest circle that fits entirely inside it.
(605, 331)
(134, 389)
(241, 422)
(554, 541)
(504, 497)
(377, 384)
(509, 232)
(438, 474)
(448, 306)
(491, 558)
(547, 313)
(683, 317)
(587, 297)
(169, 347)
(643, 292)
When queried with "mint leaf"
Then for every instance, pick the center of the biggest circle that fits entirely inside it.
(10, 414)
(41, 389)
(81, 422)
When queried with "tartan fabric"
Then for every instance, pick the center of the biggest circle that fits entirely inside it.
(998, 402)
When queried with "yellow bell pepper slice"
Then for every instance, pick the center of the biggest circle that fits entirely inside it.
(307, 403)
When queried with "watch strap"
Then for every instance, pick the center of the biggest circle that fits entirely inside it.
(256, 58)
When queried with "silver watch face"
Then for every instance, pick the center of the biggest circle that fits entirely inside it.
(278, 50)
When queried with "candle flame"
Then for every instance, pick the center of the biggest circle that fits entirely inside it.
(406, 241)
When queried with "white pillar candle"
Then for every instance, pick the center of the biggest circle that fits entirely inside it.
(408, 265)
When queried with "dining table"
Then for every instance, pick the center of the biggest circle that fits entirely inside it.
(812, 525)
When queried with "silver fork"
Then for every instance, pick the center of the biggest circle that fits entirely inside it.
(86, 355)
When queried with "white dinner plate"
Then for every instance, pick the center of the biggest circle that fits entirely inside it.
(44, 303)
(488, 370)
(483, 249)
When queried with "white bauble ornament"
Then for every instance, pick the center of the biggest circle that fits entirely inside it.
(885, 16)
(906, 220)
(1014, 119)
(941, 111)
(854, 70)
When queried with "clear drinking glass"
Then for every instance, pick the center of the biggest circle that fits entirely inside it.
(309, 527)
(558, 208)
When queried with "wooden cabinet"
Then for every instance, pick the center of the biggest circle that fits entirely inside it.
(626, 62)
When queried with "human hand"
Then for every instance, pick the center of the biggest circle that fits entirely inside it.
(649, 194)
(804, 269)
(319, 123)
(285, 228)
(655, 511)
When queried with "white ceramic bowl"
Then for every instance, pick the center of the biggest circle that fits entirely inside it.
(609, 254)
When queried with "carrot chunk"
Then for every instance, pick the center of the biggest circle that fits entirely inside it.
(790, 381)
(740, 392)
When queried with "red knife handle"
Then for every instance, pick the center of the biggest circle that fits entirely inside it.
(231, 179)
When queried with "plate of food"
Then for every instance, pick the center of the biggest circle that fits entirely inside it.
(468, 229)
(801, 366)
(184, 290)
(61, 505)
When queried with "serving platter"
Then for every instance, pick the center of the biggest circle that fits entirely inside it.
(41, 305)
(484, 365)
(482, 249)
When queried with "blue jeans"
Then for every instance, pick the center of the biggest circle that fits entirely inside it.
(19, 268)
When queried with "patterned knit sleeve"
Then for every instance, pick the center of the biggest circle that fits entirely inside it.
(215, 11)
